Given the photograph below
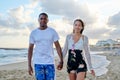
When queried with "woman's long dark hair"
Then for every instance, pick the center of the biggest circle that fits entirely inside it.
(81, 23)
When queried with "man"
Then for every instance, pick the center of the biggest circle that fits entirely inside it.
(43, 58)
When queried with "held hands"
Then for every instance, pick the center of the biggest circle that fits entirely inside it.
(60, 65)
(92, 72)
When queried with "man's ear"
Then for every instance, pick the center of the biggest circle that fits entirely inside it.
(47, 20)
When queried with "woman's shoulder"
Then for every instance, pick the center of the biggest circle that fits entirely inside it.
(85, 38)
(68, 36)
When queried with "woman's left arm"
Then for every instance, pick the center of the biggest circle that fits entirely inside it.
(87, 55)
(87, 52)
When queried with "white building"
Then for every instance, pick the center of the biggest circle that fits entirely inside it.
(109, 43)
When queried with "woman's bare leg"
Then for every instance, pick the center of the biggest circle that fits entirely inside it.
(81, 76)
(72, 75)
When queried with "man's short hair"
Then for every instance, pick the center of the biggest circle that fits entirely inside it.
(43, 14)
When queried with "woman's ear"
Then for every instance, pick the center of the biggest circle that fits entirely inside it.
(38, 19)
(73, 31)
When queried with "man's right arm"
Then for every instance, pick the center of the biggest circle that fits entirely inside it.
(30, 52)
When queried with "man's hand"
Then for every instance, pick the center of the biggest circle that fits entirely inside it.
(30, 70)
(30, 52)
(59, 51)
(60, 66)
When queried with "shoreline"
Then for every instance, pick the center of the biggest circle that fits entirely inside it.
(11, 60)
(18, 71)
(13, 66)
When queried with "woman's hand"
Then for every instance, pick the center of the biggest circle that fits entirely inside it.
(60, 66)
(92, 72)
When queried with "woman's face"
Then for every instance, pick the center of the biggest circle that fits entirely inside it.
(77, 26)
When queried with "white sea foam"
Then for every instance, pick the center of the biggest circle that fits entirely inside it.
(99, 64)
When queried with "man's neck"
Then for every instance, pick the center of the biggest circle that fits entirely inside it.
(42, 27)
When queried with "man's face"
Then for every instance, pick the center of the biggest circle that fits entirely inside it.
(43, 20)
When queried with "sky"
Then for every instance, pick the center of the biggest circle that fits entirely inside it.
(19, 17)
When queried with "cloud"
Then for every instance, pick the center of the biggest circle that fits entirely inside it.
(33, 4)
(115, 34)
(114, 20)
(97, 32)
(17, 21)
(61, 26)
(20, 17)
(21, 20)
(16, 18)
(8, 32)
(14, 32)
(70, 9)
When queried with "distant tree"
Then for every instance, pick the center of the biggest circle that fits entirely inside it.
(107, 45)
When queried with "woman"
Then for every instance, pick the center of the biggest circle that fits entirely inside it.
(79, 60)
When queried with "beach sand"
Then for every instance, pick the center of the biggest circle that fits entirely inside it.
(18, 71)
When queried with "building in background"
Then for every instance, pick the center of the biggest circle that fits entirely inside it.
(109, 44)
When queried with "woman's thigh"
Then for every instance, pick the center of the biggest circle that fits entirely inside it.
(72, 75)
(81, 75)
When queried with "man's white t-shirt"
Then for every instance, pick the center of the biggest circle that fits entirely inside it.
(43, 41)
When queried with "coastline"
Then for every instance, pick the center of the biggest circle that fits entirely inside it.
(18, 71)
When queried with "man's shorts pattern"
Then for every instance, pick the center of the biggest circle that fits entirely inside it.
(44, 72)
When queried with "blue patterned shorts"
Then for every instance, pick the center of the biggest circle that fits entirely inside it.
(44, 72)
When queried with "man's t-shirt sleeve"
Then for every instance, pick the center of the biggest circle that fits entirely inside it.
(31, 39)
(55, 36)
